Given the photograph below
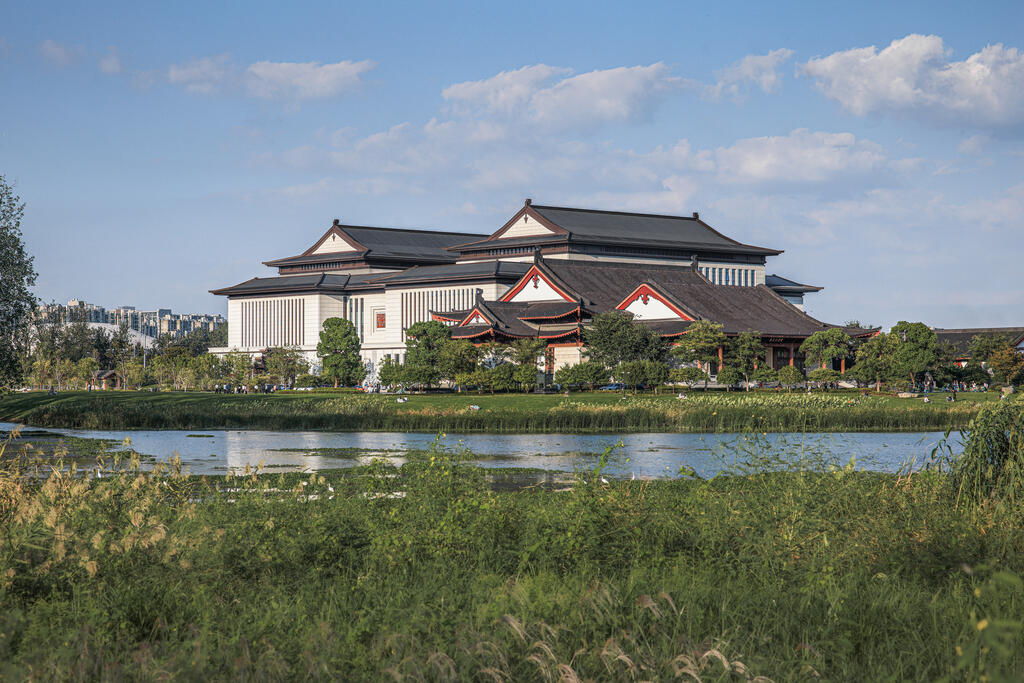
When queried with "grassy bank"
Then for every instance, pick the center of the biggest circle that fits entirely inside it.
(597, 412)
(424, 573)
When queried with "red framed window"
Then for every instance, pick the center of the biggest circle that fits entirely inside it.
(381, 321)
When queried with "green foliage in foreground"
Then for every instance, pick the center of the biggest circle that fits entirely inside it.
(600, 412)
(800, 572)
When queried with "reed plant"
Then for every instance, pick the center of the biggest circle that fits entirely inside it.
(780, 569)
(522, 414)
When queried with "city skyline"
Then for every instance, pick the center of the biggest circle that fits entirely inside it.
(168, 151)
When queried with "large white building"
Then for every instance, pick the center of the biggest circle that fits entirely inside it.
(676, 269)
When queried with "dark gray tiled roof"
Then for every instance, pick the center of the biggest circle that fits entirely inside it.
(781, 284)
(295, 283)
(642, 229)
(501, 270)
(738, 309)
(423, 246)
(961, 338)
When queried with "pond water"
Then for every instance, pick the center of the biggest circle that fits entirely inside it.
(641, 455)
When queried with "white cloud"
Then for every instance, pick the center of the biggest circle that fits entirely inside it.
(110, 63)
(529, 97)
(912, 75)
(613, 95)
(800, 157)
(507, 92)
(973, 144)
(303, 80)
(759, 70)
(268, 80)
(62, 55)
(206, 75)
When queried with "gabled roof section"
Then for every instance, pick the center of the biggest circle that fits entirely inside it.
(535, 223)
(386, 244)
(537, 272)
(651, 290)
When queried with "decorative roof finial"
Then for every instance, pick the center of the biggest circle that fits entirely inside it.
(529, 201)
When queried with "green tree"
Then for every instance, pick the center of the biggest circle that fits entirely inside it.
(85, 369)
(588, 373)
(501, 377)
(822, 376)
(729, 376)
(526, 376)
(389, 373)
(122, 352)
(1007, 365)
(982, 346)
(790, 376)
(825, 346)
(876, 360)
(480, 378)
(457, 357)
(702, 343)
(613, 338)
(916, 349)
(209, 369)
(689, 376)
(747, 354)
(17, 275)
(656, 373)
(134, 374)
(424, 342)
(239, 367)
(284, 364)
(524, 354)
(766, 375)
(631, 373)
(338, 350)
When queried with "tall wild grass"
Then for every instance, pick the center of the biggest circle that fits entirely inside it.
(698, 413)
(789, 570)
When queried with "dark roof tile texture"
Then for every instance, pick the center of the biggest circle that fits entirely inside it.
(642, 229)
(961, 338)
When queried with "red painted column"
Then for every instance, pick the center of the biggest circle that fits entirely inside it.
(792, 354)
(842, 366)
(720, 358)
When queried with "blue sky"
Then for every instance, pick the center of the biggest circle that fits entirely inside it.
(164, 150)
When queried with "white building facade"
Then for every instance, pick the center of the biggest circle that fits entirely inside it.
(385, 280)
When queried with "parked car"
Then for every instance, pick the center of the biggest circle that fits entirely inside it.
(614, 386)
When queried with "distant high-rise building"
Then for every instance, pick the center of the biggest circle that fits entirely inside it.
(156, 323)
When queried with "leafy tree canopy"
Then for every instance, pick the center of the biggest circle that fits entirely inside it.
(339, 349)
(615, 338)
(17, 275)
(916, 349)
(824, 346)
(701, 343)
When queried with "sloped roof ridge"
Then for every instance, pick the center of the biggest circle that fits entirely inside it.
(617, 213)
(421, 230)
(696, 219)
(965, 330)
